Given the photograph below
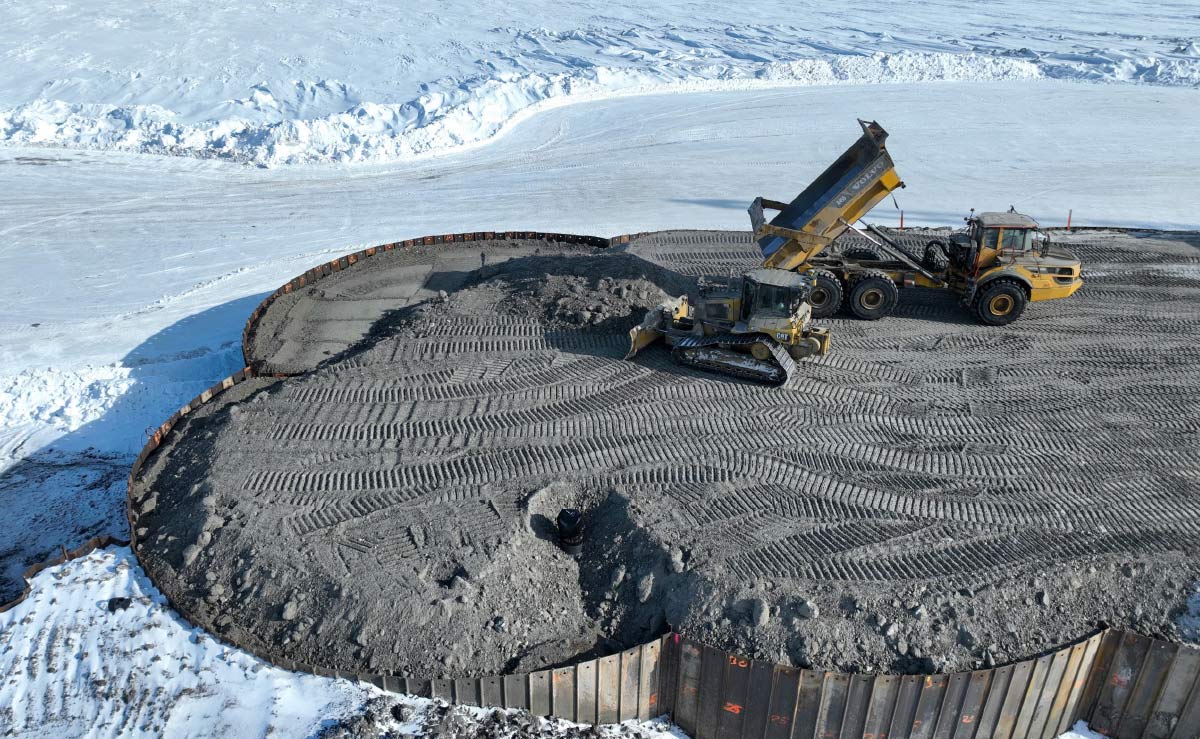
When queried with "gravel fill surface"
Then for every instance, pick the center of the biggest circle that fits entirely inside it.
(934, 495)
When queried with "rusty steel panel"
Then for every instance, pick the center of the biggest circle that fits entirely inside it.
(1176, 686)
(466, 692)
(562, 693)
(1014, 697)
(648, 679)
(929, 706)
(585, 692)
(687, 703)
(1098, 673)
(1144, 694)
(906, 705)
(785, 685)
(1118, 684)
(1044, 703)
(808, 702)
(758, 700)
(1033, 693)
(712, 668)
(608, 689)
(668, 673)
(858, 699)
(539, 693)
(883, 706)
(736, 686)
(442, 690)
(516, 691)
(1059, 709)
(631, 675)
(832, 705)
(1188, 726)
(952, 703)
(993, 701)
(1075, 704)
(667, 676)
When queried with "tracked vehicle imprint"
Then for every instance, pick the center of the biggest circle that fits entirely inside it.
(935, 487)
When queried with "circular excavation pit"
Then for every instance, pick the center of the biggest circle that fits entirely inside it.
(933, 495)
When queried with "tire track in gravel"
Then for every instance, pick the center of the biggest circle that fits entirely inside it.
(926, 455)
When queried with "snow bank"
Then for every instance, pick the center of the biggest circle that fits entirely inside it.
(342, 82)
(95, 651)
(68, 436)
(467, 113)
(72, 667)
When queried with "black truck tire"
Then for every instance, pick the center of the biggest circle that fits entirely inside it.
(862, 254)
(826, 296)
(1000, 302)
(873, 295)
(935, 258)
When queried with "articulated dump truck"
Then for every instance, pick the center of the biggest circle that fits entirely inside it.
(997, 264)
(755, 326)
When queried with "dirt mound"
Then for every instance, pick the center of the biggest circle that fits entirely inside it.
(592, 292)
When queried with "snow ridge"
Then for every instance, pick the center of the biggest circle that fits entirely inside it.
(450, 118)
(387, 90)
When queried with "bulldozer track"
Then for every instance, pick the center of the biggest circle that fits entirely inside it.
(924, 447)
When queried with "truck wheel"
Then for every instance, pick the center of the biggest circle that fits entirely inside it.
(826, 296)
(873, 295)
(935, 259)
(1000, 302)
(862, 254)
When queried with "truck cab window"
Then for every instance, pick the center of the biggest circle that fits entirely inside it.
(1015, 239)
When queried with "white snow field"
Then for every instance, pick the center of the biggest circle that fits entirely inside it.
(127, 274)
(276, 83)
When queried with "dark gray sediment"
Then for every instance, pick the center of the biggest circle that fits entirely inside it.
(934, 495)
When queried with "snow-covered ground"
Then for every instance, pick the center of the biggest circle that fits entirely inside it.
(311, 81)
(95, 652)
(128, 276)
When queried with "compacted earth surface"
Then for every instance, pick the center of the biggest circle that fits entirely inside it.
(934, 495)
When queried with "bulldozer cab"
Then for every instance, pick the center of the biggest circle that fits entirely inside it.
(772, 293)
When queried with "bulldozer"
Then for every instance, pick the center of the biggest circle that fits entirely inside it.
(754, 326)
(997, 265)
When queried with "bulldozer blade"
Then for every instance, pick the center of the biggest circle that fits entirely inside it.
(640, 337)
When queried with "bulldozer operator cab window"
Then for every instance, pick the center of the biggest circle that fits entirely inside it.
(769, 300)
(991, 238)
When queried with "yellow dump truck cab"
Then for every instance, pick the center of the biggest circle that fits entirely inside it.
(1002, 261)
